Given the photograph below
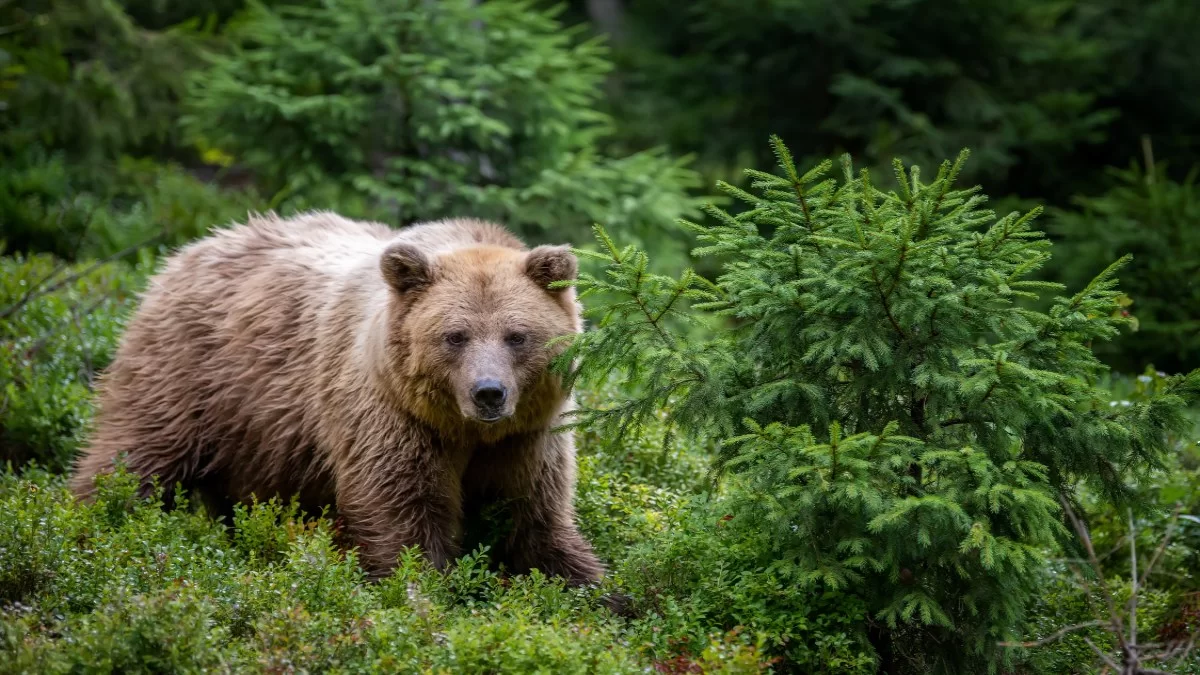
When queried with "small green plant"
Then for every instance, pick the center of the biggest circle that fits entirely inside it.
(897, 420)
(59, 326)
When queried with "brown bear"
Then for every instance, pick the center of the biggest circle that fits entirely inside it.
(397, 376)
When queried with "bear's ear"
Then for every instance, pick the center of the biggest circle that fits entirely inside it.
(405, 268)
(548, 264)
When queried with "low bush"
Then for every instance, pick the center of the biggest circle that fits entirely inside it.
(59, 326)
(123, 585)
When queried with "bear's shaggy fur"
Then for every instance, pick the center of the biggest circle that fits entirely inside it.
(399, 376)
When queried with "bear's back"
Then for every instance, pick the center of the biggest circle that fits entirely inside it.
(316, 248)
(444, 236)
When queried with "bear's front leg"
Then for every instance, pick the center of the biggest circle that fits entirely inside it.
(540, 485)
(390, 502)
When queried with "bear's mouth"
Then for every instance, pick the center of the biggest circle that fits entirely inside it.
(490, 420)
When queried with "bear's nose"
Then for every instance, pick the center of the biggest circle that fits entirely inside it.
(489, 394)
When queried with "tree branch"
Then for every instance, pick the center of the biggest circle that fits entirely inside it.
(31, 296)
(887, 307)
(1056, 635)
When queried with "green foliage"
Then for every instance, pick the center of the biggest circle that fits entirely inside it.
(59, 326)
(123, 122)
(409, 111)
(85, 89)
(165, 631)
(1045, 93)
(1166, 538)
(262, 531)
(274, 590)
(139, 203)
(1081, 597)
(1171, 499)
(110, 86)
(1063, 603)
(705, 572)
(1157, 220)
(897, 421)
(123, 585)
(895, 401)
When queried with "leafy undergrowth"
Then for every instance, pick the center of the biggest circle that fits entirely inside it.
(125, 586)
(59, 326)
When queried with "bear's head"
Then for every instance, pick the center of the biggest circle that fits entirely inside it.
(470, 330)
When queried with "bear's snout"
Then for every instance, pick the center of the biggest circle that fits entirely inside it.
(489, 397)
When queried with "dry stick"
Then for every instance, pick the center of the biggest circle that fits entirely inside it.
(1162, 546)
(1133, 659)
(1056, 635)
(1177, 651)
(29, 297)
(1108, 662)
(1133, 595)
(1148, 156)
(1115, 618)
(1181, 647)
(1191, 644)
(87, 353)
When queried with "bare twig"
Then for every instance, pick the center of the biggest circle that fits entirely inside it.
(31, 296)
(1135, 656)
(1114, 617)
(1177, 651)
(89, 371)
(1108, 662)
(28, 294)
(1148, 157)
(1162, 546)
(1056, 635)
(1133, 595)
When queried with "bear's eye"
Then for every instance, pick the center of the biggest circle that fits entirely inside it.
(456, 338)
(515, 339)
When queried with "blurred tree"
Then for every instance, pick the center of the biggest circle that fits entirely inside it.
(82, 77)
(1157, 84)
(83, 88)
(399, 111)
(1043, 92)
(406, 111)
(1156, 219)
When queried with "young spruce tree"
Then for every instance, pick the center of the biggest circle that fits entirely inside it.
(894, 418)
